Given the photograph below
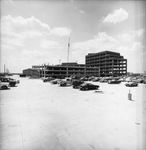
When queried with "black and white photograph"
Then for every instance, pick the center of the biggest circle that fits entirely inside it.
(72, 75)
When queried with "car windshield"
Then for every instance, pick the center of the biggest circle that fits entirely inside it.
(86, 84)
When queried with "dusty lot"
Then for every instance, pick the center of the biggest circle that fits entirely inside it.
(42, 116)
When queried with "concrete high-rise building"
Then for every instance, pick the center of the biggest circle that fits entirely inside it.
(110, 63)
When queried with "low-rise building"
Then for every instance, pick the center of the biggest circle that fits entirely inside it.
(61, 71)
(32, 72)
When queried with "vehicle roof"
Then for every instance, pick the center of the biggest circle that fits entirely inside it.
(87, 84)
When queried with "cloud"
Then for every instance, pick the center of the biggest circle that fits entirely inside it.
(15, 30)
(135, 55)
(8, 1)
(48, 44)
(61, 31)
(116, 16)
(137, 47)
(132, 50)
(24, 26)
(82, 11)
(19, 31)
(29, 27)
(131, 35)
(32, 53)
(100, 42)
(27, 40)
(139, 32)
(125, 37)
(79, 10)
(12, 41)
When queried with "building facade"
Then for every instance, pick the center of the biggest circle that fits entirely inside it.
(110, 63)
(32, 72)
(61, 71)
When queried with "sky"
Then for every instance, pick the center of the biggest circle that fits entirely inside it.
(34, 32)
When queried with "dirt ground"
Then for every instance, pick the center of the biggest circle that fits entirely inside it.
(41, 116)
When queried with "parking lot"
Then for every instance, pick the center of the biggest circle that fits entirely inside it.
(41, 116)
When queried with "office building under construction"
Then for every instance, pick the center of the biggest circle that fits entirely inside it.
(110, 63)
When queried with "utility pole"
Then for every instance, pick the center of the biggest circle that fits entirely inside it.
(44, 71)
(4, 69)
(59, 61)
(112, 67)
(99, 71)
(85, 71)
(68, 50)
(68, 55)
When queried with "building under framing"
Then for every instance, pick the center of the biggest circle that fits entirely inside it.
(110, 63)
(61, 71)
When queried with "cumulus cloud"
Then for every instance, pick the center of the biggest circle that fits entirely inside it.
(137, 47)
(16, 30)
(48, 44)
(19, 31)
(28, 39)
(100, 42)
(129, 36)
(82, 11)
(116, 16)
(29, 27)
(24, 26)
(12, 41)
(8, 1)
(139, 32)
(61, 31)
(135, 51)
(32, 53)
(79, 10)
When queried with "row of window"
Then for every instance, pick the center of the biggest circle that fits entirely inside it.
(104, 55)
(103, 58)
(112, 73)
(105, 62)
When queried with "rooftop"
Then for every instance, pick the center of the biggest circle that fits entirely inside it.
(110, 52)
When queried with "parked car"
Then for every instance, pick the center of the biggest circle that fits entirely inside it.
(131, 84)
(55, 81)
(122, 79)
(22, 75)
(139, 81)
(103, 81)
(95, 80)
(91, 78)
(11, 82)
(77, 83)
(17, 81)
(88, 86)
(47, 79)
(114, 81)
(84, 79)
(34, 77)
(4, 86)
(65, 82)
